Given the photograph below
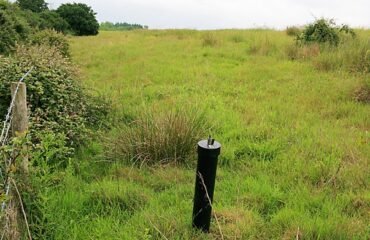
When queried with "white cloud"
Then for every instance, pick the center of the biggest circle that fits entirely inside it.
(212, 14)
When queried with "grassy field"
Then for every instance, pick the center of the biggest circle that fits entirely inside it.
(295, 143)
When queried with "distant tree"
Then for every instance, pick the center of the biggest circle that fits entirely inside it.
(33, 5)
(109, 26)
(80, 17)
(106, 26)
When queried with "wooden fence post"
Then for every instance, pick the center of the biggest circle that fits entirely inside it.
(20, 116)
(19, 128)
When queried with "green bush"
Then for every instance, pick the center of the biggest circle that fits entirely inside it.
(156, 138)
(323, 31)
(50, 152)
(51, 38)
(56, 100)
(33, 19)
(13, 27)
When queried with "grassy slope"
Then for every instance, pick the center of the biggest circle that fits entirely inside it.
(295, 145)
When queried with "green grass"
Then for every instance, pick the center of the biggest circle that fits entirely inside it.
(295, 145)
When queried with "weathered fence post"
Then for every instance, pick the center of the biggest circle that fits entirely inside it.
(20, 116)
(208, 152)
(19, 128)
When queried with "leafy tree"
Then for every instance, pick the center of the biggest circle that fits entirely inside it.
(33, 5)
(80, 17)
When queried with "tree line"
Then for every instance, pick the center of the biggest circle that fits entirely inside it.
(23, 19)
(121, 26)
(75, 18)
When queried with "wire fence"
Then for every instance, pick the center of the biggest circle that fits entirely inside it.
(8, 118)
(4, 140)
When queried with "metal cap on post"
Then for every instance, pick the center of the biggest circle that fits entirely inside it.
(208, 152)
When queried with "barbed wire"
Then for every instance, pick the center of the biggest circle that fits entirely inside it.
(9, 116)
(4, 139)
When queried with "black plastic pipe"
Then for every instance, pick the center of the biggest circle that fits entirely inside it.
(208, 152)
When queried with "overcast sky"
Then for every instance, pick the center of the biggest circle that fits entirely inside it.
(216, 14)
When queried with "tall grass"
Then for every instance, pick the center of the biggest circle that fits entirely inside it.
(295, 52)
(352, 55)
(209, 40)
(293, 31)
(262, 46)
(158, 137)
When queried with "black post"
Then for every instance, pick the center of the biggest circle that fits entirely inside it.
(208, 152)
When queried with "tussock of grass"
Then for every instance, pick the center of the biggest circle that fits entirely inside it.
(158, 138)
(237, 38)
(362, 93)
(209, 40)
(262, 46)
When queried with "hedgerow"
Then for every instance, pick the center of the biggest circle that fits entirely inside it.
(51, 38)
(57, 101)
